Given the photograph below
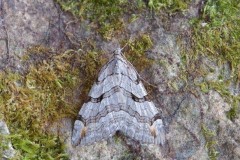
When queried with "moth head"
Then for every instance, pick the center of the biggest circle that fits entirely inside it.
(118, 51)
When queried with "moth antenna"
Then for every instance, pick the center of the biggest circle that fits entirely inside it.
(124, 46)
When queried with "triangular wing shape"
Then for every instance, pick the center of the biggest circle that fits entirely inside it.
(118, 102)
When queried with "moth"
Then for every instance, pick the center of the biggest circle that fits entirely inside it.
(118, 101)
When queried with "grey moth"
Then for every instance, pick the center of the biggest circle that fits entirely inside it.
(118, 101)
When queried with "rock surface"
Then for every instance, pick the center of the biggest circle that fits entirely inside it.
(8, 151)
(185, 107)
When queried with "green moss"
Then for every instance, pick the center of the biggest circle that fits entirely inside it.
(90, 62)
(44, 94)
(204, 87)
(233, 112)
(3, 144)
(220, 36)
(27, 110)
(216, 36)
(107, 16)
(136, 49)
(169, 6)
(211, 143)
(174, 86)
(222, 88)
(238, 72)
(127, 155)
(32, 101)
(104, 15)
